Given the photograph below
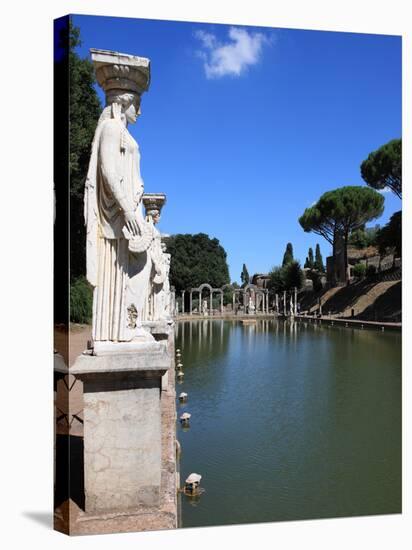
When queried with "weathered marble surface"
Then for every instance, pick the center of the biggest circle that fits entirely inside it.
(122, 449)
(119, 264)
(159, 296)
(156, 358)
(122, 428)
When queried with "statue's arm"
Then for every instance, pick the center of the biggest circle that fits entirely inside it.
(111, 168)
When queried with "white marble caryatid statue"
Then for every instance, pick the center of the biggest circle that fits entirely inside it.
(251, 305)
(118, 237)
(159, 293)
(204, 307)
(166, 294)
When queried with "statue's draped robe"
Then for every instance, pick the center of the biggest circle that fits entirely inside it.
(155, 312)
(120, 279)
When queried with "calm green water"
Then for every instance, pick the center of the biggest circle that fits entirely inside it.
(289, 421)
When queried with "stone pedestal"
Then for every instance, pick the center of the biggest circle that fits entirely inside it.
(122, 428)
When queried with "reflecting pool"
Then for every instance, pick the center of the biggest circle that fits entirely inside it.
(290, 420)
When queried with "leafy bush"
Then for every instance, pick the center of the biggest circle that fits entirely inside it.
(359, 270)
(81, 301)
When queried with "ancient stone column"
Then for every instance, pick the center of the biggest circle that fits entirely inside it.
(183, 301)
(191, 302)
(221, 302)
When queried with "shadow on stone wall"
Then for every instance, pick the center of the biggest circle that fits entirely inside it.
(387, 307)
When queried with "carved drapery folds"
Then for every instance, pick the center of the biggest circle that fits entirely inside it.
(159, 300)
(125, 262)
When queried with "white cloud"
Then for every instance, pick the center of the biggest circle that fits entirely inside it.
(208, 39)
(231, 58)
(385, 190)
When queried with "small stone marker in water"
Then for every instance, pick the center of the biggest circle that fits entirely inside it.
(192, 484)
(185, 418)
(183, 397)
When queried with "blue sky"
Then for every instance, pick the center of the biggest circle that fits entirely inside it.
(245, 127)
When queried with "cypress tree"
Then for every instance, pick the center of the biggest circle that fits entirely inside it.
(288, 255)
(318, 259)
(310, 258)
(244, 276)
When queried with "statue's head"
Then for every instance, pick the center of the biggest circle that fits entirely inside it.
(154, 215)
(153, 204)
(124, 78)
(128, 103)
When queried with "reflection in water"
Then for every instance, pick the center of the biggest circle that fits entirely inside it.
(205, 335)
(291, 420)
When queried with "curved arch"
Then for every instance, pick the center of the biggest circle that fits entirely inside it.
(250, 286)
(205, 285)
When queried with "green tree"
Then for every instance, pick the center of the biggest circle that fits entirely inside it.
(341, 211)
(315, 277)
(390, 236)
(276, 280)
(318, 219)
(309, 263)
(81, 301)
(286, 277)
(364, 237)
(85, 109)
(288, 255)
(293, 275)
(76, 111)
(383, 167)
(61, 303)
(196, 259)
(244, 276)
(319, 260)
